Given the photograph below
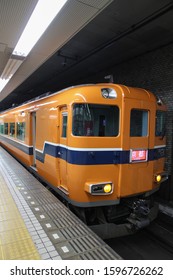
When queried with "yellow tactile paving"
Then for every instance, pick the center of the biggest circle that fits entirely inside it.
(5, 216)
(18, 249)
(15, 241)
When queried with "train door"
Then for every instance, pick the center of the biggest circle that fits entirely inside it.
(139, 121)
(33, 119)
(63, 148)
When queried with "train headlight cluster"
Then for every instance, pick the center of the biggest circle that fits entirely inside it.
(104, 188)
(109, 93)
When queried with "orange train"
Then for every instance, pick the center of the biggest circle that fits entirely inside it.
(101, 147)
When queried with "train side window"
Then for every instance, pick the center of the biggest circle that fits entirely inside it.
(64, 125)
(1, 128)
(138, 123)
(160, 123)
(21, 131)
(12, 129)
(6, 128)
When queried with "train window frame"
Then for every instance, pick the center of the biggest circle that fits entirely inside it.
(160, 124)
(21, 131)
(140, 128)
(89, 120)
(12, 129)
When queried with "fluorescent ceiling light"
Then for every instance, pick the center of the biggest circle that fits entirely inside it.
(43, 14)
(3, 83)
(9, 70)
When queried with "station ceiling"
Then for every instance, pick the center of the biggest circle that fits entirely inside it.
(86, 37)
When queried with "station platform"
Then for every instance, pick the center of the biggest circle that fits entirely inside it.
(35, 225)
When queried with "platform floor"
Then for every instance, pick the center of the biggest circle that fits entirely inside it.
(15, 240)
(35, 225)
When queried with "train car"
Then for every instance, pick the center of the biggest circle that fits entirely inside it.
(101, 147)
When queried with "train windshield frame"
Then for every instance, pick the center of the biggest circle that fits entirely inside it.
(95, 120)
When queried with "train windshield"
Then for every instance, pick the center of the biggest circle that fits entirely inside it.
(95, 120)
(138, 123)
(160, 123)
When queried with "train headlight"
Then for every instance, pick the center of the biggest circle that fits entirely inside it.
(161, 177)
(107, 188)
(158, 178)
(104, 188)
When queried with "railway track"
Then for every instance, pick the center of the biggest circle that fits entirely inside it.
(152, 243)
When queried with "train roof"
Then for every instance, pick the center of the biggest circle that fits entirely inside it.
(131, 92)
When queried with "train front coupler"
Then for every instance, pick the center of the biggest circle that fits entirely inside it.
(142, 213)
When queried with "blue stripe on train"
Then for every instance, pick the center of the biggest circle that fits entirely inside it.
(85, 157)
(95, 157)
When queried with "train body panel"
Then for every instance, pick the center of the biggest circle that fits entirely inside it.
(95, 144)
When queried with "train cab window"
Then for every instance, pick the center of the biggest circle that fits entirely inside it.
(138, 123)
(64, 125)
(6, 128)
(95, 120)
(20, 133)
(12, 129)
(160, 123)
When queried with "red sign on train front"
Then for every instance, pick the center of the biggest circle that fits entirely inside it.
(139, 155)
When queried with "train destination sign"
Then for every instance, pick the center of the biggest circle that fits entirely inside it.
(138, 155)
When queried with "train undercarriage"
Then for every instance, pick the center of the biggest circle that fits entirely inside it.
(113, 221)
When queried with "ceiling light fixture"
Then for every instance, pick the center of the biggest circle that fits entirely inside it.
(9, 70)
(43, 14)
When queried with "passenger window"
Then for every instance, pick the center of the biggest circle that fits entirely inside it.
(138, 123)
(64, 125)
(6, 128)
(12, 129)
(160, 123)
(21, 131)
(2, 129)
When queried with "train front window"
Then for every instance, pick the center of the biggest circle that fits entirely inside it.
(95, 120)
(160, 123)
(138, 123)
